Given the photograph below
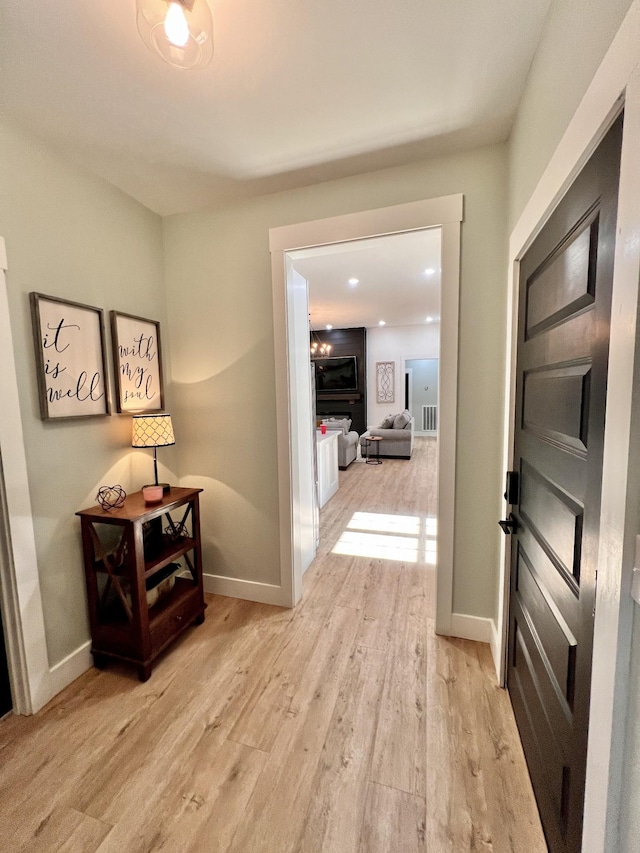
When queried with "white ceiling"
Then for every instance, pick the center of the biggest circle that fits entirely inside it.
(393, 284)
(297, 92)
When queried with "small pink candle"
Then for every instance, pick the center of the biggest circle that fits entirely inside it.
(323, 429)
(152, 494)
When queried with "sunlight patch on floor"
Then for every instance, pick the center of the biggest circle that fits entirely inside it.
(381, 546)
(383, 536)
(380, 522)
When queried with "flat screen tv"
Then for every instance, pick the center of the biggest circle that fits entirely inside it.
(336, 374)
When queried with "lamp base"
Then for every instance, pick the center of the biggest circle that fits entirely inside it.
(166, 487)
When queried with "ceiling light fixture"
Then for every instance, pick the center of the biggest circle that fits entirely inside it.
(381, 323)
(354, 281)
(328, 327)
(318, 348)
(180, 31)
(429, 271)
(429, 319)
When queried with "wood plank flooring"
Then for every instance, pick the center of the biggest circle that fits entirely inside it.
(343, 726)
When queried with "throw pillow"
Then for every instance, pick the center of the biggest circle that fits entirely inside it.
(400, 421)
(387, 423)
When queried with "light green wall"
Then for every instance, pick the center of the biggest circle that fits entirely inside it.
(76, 237)
(220, 307)
(576, 36)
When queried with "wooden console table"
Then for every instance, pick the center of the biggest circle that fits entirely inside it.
(123, 548)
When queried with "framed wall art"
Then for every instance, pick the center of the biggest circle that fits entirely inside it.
(70, 358)
(385, 381)
(137, 362)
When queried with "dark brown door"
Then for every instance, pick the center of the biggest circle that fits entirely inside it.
(563, 345)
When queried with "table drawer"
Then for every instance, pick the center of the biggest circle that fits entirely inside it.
(175, 616)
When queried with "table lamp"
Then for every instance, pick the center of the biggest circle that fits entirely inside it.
(153, 431)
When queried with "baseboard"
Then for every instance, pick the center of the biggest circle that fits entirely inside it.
(264, 593)
(471, 627)
(63, 673)
(79, 661)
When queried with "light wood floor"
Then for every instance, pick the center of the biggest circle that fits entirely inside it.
(343, 725)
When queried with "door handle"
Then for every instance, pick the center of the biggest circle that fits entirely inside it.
(509, 525)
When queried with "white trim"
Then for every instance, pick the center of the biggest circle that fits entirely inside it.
(477, 628)
(265, 593)
(290, 580)
(447, 213)
(9, 604)
(22, 603)
(619, 512)
(447, 426)
(614, 613)
(411, 216)
(70, 668)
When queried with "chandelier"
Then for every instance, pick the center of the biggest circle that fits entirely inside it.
(318, 348)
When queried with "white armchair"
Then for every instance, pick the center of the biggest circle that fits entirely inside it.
(347, 440)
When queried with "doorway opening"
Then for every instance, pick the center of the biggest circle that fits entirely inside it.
(375, 302)
(421, 393)
(291, 343)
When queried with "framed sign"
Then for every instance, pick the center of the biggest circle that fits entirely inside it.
(70, 358)
(385, 375)
(137, 363)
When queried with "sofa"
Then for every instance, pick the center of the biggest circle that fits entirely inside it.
(396, 432)
(347, 440)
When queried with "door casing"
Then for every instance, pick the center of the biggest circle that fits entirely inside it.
(20, 589)
(446, 213)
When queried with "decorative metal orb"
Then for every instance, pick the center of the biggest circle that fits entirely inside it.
(177, 531)
(111, 497)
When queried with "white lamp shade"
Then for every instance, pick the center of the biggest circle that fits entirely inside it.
(152, 431)
(189, 52)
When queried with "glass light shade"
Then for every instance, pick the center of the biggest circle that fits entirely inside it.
(152, 431)
(176, 27)
(161, 27)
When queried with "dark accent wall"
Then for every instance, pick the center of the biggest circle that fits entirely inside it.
(350, 404)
